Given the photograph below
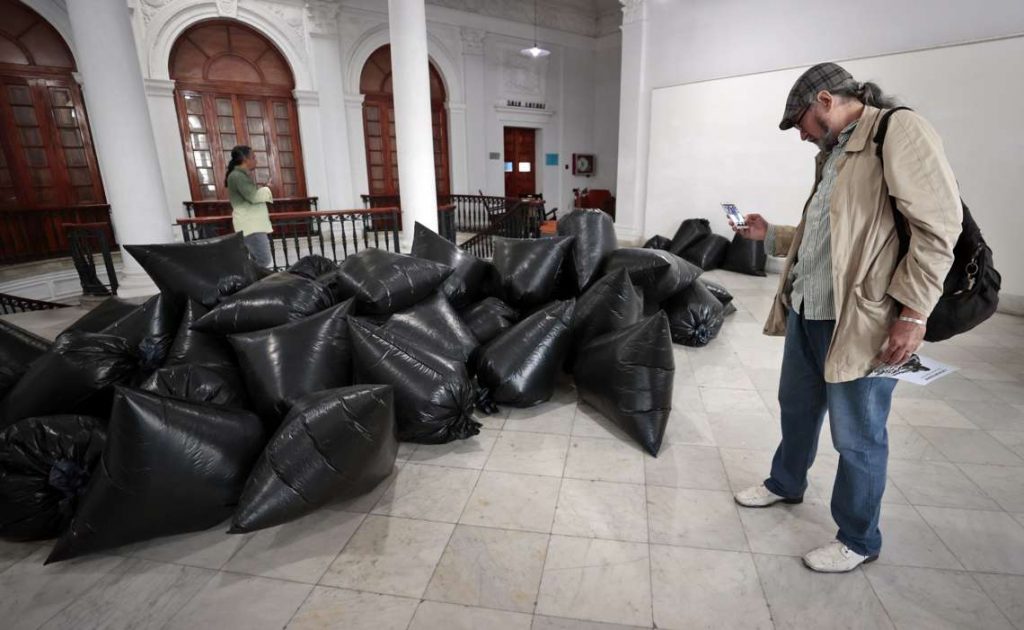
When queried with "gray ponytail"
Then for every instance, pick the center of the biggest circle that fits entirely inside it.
(868, 93)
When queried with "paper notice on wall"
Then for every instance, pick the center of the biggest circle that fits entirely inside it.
(919, 370)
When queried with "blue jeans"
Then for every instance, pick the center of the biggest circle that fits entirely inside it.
(857, 411)
(259, 248)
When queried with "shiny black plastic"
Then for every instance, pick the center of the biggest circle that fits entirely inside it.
(745, 256)
(169, 467)
(150, 329)
(609, 304)
(529, 267)
(628, 375)
(659, 273)
(594, 231)
(18, 349)
(384, 282)
(708, 253)
(313, 266)
(488, 318)
(333, 445)
(277, 299)
(74, 376)
(434, 396)
(520, 366)
(695, 316)
(718, 291)
(199, 383)
(102, 315)
(284, 363)
(469, 276)
(434, 326)
(45, 465)
(658, 242)
(205, 270)
(690, 231)
(192, 347)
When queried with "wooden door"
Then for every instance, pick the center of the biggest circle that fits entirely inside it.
(520, 161)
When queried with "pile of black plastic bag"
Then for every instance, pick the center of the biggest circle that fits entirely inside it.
(256, 397)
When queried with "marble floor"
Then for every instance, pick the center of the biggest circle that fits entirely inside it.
(551, 519)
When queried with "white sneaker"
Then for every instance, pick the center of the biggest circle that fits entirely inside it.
(835, 557)
(759, 496)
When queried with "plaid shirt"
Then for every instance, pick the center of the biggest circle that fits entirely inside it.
(812, 274)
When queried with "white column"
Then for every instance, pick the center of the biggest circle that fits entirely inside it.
(356, 149)
(307, 104)
(166, 131)
(476, 130)
(323, 32)
(120, 123)
(457, 134)
(407, 22)
(634, 126)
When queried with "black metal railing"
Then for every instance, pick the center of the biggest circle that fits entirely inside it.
(471, 213)
(30, 234)
(10, 304)
(334, 234)
(522, 221)
(222, 207)
(87, 240)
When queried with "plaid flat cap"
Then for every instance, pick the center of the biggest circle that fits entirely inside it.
(824, 76)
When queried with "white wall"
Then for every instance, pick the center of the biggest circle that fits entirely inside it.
(717, 141)
(607, 63)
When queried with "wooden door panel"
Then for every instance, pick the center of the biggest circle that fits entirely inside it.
(520, 153)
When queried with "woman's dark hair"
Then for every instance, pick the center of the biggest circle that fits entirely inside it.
(238, 155)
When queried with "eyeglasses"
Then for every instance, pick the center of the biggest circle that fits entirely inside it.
(800, 118)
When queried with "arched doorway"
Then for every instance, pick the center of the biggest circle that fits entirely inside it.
(46, 151)
(379, 126)
(233, 86)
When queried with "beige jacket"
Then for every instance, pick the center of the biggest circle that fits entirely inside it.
(249, 213)
(868, 284)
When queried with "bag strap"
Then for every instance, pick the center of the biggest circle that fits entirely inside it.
(901, 225)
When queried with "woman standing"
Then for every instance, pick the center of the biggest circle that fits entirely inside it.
(249, 205)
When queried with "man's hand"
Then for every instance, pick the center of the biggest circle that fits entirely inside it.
(756, 228)
(904, 339)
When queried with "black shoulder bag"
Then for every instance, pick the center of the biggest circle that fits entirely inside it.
(970, 293)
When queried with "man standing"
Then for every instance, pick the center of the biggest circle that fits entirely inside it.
(846, 302)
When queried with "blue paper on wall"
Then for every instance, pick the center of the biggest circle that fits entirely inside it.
(551, 159)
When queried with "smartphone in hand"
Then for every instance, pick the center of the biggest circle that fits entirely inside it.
(734, 215)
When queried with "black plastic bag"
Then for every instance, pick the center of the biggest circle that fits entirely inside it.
(198, 383)
(609, 304)
(529, 267)
(74, 376)
(695, 316)
(488, 318)
(658, 242)
(434, 325)
(659, 273)
(192, 347)
(169, 467)
(745, 256)
(313, 266)
(277, 299)
(520, 366)
(628, 375)
(594, 231)
(718, 291)
(102, 315)
(205, 270)
(150, 329)
(383, 282)
(690, 231)
(45, 465)
(18, 349)
(434, 396)
(332, 445)
(282, 364)
(708, 253)
(468, 281)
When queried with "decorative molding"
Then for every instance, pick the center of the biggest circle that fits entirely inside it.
(159, 87)
(456, 108)
(322, 16)
(227, 8)
(354, 100)
(522, 76)
(522, 111)
(573, 16)
(284, 15)
(473, 40)
(77, 76)
(306, 97)
(151, 7)
(632, 11)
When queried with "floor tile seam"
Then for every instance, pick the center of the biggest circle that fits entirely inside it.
(73, 600)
